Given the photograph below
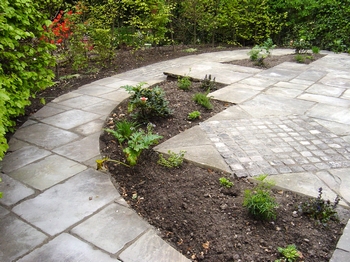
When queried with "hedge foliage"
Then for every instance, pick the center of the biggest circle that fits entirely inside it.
(97, 28)
(25, 60)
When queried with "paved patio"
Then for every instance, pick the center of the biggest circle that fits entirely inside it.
(291, 121)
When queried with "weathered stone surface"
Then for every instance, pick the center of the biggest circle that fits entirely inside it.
(45, 136)
(111, 228)
(47, 172)
(151, 247)
(65, 204)
(13, 191)
(17, 238)
(69, 249)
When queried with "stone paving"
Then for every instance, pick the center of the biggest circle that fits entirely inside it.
(291, 121)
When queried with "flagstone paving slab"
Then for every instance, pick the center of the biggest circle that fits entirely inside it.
(17, 238)
(320, 89)
(69, 249)
(22, 157)
(340, 256)
(325, 100)
(330, 113)
(234, 94)
(70, 119)
(45, 136)
(13, 191)
(90, 128)
(63, 205)
(150, 248)
(47, 172)
(112, 228)
(81, 150)
(267, 105)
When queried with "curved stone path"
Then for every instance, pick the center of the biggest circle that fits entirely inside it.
(291, 121)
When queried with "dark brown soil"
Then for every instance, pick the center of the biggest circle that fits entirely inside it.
(192, 211)
(201, 219)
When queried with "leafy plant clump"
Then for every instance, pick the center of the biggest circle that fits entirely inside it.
(135, 141)
(203, 100)
(208, 84)
(260, 52)
(289, 253)
(225, 182)
(184, 83)
(148, 102)
(302, 45)
(174, 159)
(259, 202)
(194, 115)
(320, 209)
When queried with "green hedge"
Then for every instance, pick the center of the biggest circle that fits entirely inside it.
(25, 59)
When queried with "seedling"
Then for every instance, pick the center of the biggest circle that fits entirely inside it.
(319, 209)
(203, 100)
(315, 50)
(194, 115)
(174, 160)
(184, 83)
(289, 253)
(259, 202)
(225, 182)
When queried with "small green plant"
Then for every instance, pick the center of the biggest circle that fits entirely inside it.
(148, 102)
(320, 209)
(123, 130)
(194, 115)
(203, 100)
(289, 253)
(190, 50)
(208, 84)
(225, 182)
(139, 141)
(259, 202)
(315, 50)
(132, 141)
(260, 52)
(300, 58)
(174, 159)
(184, 83)
(302, 45)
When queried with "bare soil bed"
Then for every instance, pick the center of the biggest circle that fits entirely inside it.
(200, 218)
(197, 216)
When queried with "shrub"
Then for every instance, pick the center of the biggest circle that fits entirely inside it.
(25, 60)
(174, 160)
(259, 202)
(260, 52)
(148, 102)
(203, 100)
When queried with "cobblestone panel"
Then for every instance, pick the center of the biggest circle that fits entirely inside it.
(278, 145)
